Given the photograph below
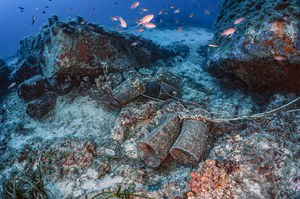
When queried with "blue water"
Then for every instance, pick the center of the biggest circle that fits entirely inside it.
(16, 24)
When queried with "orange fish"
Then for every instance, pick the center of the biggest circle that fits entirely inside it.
(176, 11)
(279, 58)
(239, 20)
(123, 23)
(134, 5)
(228, 32)
(180, 29)
(140, 30)
(144, 10)
(149, 25)
(114, 18)
(213, 45)
(146, 19)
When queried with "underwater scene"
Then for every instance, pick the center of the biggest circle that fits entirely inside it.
(161, 99)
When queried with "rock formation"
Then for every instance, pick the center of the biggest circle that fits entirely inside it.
(4, 77)
(264, 50)
(76, 47)
(90, 60)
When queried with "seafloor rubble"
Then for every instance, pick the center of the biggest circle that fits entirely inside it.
(83, 125)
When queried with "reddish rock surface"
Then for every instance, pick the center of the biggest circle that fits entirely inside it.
(264, 50)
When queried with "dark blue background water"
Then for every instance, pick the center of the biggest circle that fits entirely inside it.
(16, 24)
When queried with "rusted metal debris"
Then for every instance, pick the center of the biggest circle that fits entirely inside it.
(156, 146)
(191, 142)
(185, 141)
(128, 90)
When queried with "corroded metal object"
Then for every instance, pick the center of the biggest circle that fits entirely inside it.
(128, 90)
(170, 84)
(155, 148)
(191, 142)
(168, 78)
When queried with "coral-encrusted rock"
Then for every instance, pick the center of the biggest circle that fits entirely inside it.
(40, 107)
(270, 32)
(62, 84)
(76, 47)
(33, 88)
(27, 68)
(4, 77)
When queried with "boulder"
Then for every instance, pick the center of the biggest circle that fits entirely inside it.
(75, 47)
(33, 88)
(26, 69)
(264, 51)
(40, 107)
(4, 77)
(62, 84)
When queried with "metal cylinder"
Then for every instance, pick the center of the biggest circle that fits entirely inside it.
(155, 148)
(128, 90)
(191, 142)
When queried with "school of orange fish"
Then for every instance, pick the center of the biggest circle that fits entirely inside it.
(145, 22)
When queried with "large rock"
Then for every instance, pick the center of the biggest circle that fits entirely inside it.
(26, 69)
(271, 31)
(76, 47)
(4, 77)
(33, 88)
(39, 108)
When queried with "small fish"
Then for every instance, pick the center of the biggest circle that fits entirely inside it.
(206, 12)
(114, 18)
(149, 25)
(44, 12)
(279, 58)
(239, 20)
(134, 5)
(118, 28)
(144, 10)
(176, 21)
(123, 23)
(172, 7)
(46, 6)
(133, 44)
(191, 15)
(21, 9)
(140, 30)
(167, 13)
(146, 19)
(11, 85)
(176, 11)
(160, 20)
(116, 3)
(180, 29)
(160, 12)
(33, 20)
(213, 45)
(228, 32)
